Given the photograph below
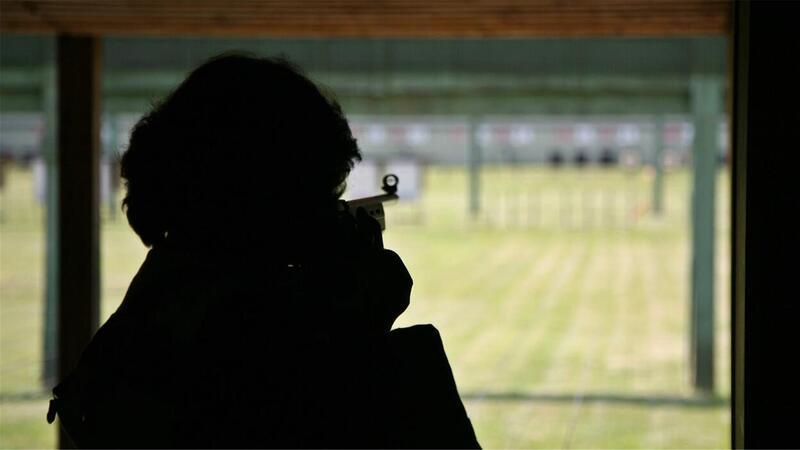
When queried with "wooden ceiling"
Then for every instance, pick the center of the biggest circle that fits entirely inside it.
(368, 18)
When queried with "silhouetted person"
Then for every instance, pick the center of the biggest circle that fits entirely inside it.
(555, 159)
(261, 316)
(581, 159)
(608, 157)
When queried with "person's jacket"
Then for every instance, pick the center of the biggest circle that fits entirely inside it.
(241, 352)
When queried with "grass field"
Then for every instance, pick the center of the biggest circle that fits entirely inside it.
(563, 306)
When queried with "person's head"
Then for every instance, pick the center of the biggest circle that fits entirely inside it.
(243, 146)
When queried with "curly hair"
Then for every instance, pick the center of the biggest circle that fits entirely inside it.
(239, 136)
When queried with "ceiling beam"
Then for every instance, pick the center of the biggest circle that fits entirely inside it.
(369, 18)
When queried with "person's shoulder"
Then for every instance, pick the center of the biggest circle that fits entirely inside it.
(422, 332)
(419, 341)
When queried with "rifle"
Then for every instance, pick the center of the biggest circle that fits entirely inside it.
(374, 205)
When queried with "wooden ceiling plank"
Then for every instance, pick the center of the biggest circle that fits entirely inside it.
(385, 18)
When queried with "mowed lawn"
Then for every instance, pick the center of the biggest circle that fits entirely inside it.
(563, 305)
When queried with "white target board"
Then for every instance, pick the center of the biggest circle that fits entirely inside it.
(409, 174)
(39, 180)
(364, 181)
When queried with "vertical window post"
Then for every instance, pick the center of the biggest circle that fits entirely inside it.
(706, 100)
(78, 154)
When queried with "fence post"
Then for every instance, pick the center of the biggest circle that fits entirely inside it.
(658, 164)
(112, 158)
(475, 162)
